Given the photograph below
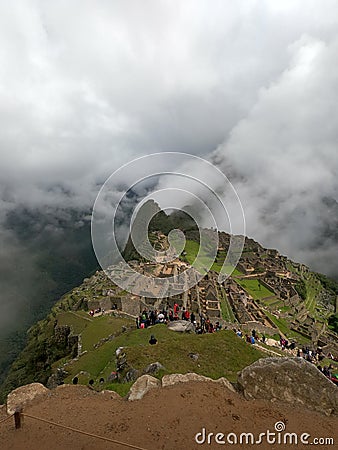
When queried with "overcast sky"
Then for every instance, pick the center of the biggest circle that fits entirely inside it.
(250, 85)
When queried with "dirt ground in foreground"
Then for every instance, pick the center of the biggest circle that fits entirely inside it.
(167, 419)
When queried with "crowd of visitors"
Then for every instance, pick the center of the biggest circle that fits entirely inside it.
(312, 356)
(204, 325)
(250, 338)
(153, 317)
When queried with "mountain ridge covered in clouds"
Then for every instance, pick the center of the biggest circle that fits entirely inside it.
(58, 255)
(249, 85)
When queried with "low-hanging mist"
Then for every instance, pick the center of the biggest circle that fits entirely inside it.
(249, 85)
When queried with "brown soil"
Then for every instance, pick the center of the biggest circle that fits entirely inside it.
(166, 418)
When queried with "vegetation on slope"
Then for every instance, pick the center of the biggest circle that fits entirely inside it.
(255, 288)
(333, 322)
(219, 354)
(55, 255)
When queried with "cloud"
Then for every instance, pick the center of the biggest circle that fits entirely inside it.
(250, 85)
(85, 88)
(283, 155)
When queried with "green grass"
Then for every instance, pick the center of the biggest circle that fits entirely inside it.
(121, 388)
(93, 361)
(92, 329)
(227, 313)
(254, 289)
(78, 320)
(280, 323)
(313, 288)
(101, 327)
(192, 248)
(274, 303)
(217, 267)
(283, 326)
(220, 354)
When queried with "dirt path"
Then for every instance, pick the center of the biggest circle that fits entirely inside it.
(167, 419)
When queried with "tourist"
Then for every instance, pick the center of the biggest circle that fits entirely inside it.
(326, 372)
(202, 322)
(152, 317)
(144, 319)
(198, 329)
(192, 317)
(160, 317)
(152, 340)
(218, 327)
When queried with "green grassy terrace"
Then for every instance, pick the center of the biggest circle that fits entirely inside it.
(220, 354)
(254, 288)
(192, 247)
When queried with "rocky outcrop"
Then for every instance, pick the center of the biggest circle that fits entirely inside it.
(182, 326)
(56, 379)
(110, 394)
(143, 385)
(290, 380)
(153, 368)
(272, 342)
(61, 334)
(226, 383)
(132, 375)
(175, 378)
(25, 394)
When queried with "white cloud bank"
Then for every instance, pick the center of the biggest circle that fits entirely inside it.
(85, 86)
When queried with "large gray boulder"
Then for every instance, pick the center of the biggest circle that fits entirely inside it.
(25, 394)
(290, 380)
(182, 326)
(141, 386)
